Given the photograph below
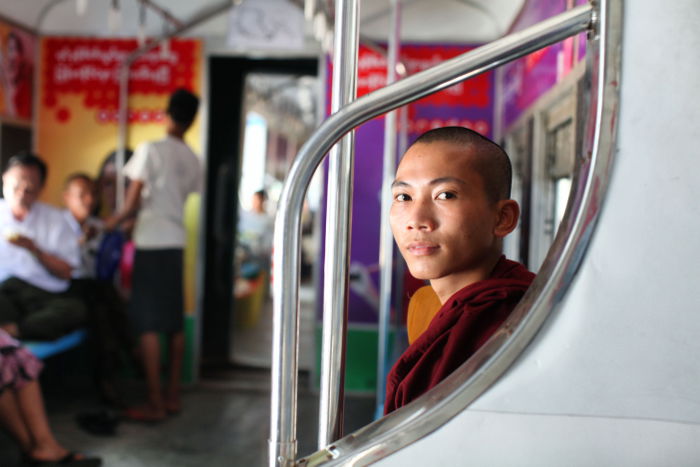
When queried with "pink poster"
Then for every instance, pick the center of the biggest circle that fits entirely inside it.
(16, 72)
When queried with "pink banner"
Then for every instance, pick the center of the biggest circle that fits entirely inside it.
(16, 72)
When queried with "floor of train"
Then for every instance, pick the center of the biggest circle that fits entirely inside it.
(224, 422)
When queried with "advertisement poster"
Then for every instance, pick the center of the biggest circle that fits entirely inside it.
(77, 127)
(16, 73)
(528, 78)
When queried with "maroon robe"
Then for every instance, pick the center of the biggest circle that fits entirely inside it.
(463, 324)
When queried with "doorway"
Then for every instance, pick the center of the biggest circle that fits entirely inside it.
(255, 129)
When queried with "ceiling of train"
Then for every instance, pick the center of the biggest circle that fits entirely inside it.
(436, 21)
(463, 21)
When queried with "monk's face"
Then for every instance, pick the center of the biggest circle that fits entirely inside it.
(441, 218)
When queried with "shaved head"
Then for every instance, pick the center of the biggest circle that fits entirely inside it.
(486, 157)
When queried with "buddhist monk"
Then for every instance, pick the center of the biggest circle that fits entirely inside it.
(451, 210)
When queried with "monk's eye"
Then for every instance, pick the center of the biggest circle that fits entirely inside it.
(446, 195)
(402, 197)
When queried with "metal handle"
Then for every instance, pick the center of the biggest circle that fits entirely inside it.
(386, 239)
(338, 222)
(288, 221)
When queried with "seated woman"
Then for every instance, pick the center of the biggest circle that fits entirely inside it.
(22, 409)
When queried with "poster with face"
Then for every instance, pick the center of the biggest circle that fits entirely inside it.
(16, 72)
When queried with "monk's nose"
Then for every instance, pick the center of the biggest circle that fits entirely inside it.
(421, 218)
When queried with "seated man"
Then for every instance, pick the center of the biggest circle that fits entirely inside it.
(38, 252)
(79, 199)
(450, 213)
(107, 321)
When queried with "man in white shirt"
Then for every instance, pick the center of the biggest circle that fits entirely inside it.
(38, 253)
(163, 173)
(255, 227)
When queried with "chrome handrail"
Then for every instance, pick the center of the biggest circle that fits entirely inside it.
(386, 239)
(475, 376)
(338, 221)
(288, 221)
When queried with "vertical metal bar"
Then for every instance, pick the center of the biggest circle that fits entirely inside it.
(338, 219)
(121, 141)
(386, 240)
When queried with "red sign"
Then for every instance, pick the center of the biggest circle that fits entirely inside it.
(91, 67)
(371, 74)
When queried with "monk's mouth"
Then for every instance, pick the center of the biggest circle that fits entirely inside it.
(421, 249)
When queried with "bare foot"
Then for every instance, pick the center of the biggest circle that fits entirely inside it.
(51, 452)
(145, 413)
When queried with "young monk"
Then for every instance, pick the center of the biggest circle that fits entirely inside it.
(450, 213)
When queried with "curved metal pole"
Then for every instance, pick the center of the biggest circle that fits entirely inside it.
(338, 226)
(386, 239)
(288, 220)
(200, 18)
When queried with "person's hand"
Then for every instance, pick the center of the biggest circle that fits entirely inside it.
(23, 242)
(111, 223)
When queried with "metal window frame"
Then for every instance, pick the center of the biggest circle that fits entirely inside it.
(408, 424)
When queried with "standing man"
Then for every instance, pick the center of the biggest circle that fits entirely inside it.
(38, 253)
(162, 173)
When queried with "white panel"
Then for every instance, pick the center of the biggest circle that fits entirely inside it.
(625, 341)
(492, 439)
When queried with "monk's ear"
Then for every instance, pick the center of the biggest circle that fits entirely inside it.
(508, 213)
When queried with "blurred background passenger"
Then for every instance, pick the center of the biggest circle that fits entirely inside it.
(92, 282)
(106, 185)
(162, 175)
(255, 227)
(38, 253)
(22, 410)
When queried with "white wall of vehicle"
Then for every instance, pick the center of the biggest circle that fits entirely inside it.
(613, 377)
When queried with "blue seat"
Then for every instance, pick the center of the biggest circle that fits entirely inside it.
(45, 349)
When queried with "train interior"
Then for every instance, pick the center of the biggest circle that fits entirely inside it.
(265, 72)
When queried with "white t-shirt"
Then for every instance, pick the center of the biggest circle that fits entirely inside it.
(48, 228)
(170, 171)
